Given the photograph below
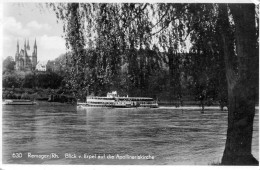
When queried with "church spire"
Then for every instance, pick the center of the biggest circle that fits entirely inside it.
(28, 46)
(25, 51)
(25, 44)
(35, 46)
(17, 51)
(34, 56)
(17, 46)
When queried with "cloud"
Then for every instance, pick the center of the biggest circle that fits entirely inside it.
(36, 25)
(50, 47)
(12, 31)
(14, 28)
(52, 42)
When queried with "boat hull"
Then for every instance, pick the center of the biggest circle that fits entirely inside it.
(113, 100)
(85, 105)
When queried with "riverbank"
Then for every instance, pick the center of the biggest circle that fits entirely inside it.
(67, 96)
(39, 94)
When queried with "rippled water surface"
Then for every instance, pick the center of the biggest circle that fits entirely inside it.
(183, 137)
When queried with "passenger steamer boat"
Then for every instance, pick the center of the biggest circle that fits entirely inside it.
(113, 100)
(18, 102)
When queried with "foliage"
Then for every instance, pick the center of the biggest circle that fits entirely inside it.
(32, 80)
(12, 79)
(25, 96)
(129, 46)
(203, 66)
(122, 46)
(8, 64)
(119, 53)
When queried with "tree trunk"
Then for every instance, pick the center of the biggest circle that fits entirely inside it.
(242, 84)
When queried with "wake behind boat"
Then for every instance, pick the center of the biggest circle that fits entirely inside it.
(113, 100)
(18, 102)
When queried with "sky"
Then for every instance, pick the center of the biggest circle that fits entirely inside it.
(32, 21)
(29, 21)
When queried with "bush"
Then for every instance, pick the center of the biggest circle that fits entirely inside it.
(29, 81)
(18, 96)
(48, 80)
(11, 80)
(10, 96)
(32, 80)
(34, 96)
(25, 96)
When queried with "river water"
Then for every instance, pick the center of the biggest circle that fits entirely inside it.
(46, 134)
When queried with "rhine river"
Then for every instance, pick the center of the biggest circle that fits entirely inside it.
(65, 134)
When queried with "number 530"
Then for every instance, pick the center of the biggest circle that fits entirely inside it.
(17, 155)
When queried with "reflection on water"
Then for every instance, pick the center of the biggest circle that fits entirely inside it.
(172, 136)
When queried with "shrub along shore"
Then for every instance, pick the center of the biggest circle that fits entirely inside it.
(51, 95)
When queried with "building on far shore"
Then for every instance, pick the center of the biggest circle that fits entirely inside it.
(26, 58)
(41, 66)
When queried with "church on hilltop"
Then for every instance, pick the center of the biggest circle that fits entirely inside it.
(26, 58)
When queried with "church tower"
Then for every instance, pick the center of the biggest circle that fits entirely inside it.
(17, 46)
(34, 56)
(26, 57)
(25, 51)
(17, 56)
(28, 46)
(17, 51)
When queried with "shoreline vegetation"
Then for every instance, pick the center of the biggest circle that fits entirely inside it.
(39, 94)
(67, 96)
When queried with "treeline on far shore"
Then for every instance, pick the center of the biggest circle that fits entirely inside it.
(142, 80)
(21, 79)
(68, 96)
(34, 85)
(40, 94)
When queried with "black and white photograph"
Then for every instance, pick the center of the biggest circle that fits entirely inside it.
(130, 83)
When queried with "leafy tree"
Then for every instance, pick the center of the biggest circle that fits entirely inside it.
(242, 81)
(11, 80)
(118, 29)
(8, 64)
(111, 41)
(226, 35)
(29, 81)
(233, 41)
(47, 80)
(206, 63)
